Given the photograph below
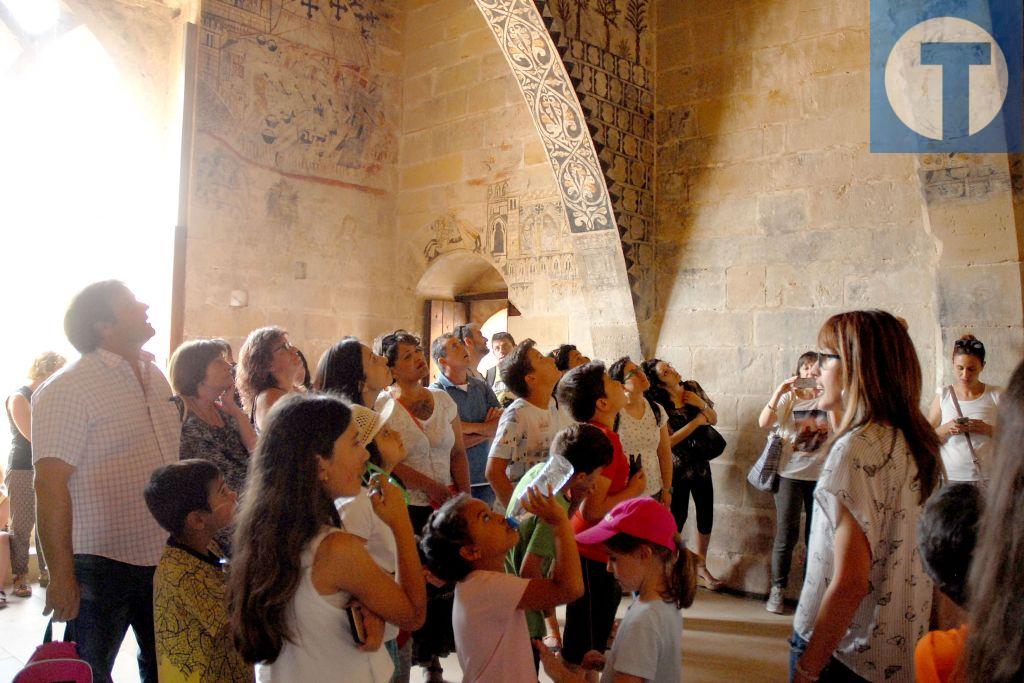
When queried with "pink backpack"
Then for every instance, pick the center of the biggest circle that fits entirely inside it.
(55, 663)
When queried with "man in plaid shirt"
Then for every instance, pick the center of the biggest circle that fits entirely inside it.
(99, 429)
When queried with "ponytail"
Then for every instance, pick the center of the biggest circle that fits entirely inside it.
(682, 580)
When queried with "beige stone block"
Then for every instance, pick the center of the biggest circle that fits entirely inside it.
(850, 129)
(685, 327)
(868, 166)
(794, 329)
(491, 95)
(733, 370)
(828, 168)
(846, 49)
(980, 295)
(833, 94)
(534, 152)
(974, 233)
(885, 288)
(736, 216)
(697, 288)
(731, 180)
(674, 47)
(463, 21)
(442, 170)
(777, 67)
(782, 212)
(745, 287)
(458, 77)
(475, 42)
(803, 283)
(774, 135)
(867, 204)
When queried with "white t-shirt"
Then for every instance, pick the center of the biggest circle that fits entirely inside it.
(642, 437)
(491, 636)
(648, 644)
(956, 455)
(428, 443)
(524, 435)
(804, 431)
(872, 476)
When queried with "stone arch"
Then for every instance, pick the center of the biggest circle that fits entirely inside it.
(558, 117)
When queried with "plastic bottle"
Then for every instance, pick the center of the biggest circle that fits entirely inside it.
(556, 473)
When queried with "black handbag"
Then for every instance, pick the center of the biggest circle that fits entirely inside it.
(705, 442)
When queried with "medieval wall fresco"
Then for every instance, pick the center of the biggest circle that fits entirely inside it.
(609, 51)
(294, 170)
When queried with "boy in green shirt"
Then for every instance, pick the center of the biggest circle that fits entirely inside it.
(588, 450)
(191, 501)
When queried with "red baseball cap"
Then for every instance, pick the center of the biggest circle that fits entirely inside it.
(643, 518)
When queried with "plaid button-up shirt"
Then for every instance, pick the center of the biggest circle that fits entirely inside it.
(95, 416)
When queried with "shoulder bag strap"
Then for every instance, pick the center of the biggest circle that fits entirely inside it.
(970, 446)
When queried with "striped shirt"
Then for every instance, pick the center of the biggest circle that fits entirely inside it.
(871, 474)
(95, 416)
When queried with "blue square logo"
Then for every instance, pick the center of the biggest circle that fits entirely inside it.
(946, 76)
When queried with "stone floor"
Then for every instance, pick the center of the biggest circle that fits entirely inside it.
(725, 638)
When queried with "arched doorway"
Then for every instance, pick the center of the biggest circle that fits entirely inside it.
(462, 287)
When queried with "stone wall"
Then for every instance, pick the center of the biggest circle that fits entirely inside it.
(474, 175)
(294, 176)
(772, 215)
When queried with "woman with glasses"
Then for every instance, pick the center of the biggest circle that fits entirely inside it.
(866, 598)
(643, 430)
(794, 412)
(964, 414)
(213, 426)
(269, 367)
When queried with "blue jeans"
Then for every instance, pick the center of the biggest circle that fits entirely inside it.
(483, 492)
(115, 596)
(834, 672)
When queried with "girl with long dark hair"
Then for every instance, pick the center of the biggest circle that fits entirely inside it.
(295, 570)
(866, 598)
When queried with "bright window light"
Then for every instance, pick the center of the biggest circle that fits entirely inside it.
(34, 16)
(88, 196)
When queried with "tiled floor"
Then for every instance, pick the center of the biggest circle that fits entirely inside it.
(725, 638)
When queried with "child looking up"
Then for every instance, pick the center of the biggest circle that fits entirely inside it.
(527, 427)
(594, 397)
(648, 558)
(465, 541)
(191, 501)
(588, 450)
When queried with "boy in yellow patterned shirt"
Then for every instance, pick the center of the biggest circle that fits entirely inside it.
(191, 501)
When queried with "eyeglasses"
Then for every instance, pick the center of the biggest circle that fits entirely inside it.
(826, 358)
(628, 375)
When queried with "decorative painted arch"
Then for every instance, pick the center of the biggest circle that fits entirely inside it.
(531, 54)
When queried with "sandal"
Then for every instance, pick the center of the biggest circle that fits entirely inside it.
(706, 580)
(552, 642)
(435, 674)
(3, 599)
(44, 579)
(21, 588)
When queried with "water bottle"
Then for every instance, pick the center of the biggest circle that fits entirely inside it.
(556, 473)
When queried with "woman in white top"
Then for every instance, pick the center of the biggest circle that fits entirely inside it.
(435, 469)
(643, 430)
(296, 571)
(965, 433)
(804, 429)
(866, 598)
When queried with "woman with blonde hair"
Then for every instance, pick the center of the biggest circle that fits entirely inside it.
(269, 367)
(866, 598)
(995, 641)
(20, 473)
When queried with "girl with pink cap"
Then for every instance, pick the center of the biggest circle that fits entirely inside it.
(648, 558)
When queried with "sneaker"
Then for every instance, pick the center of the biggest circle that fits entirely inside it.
(775, 601)
(3, 599)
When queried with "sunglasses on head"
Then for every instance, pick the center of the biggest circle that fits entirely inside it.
(969, 345)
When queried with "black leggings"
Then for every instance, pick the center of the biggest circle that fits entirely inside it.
(698, 484)
(589, 620)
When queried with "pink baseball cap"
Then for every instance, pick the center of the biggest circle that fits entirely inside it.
(643, 518)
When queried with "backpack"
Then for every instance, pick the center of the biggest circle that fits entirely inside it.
(55, 662)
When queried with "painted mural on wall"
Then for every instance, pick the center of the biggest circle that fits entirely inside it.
(610, 50)
(555, 109)
(526, 238)
(291, 85)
